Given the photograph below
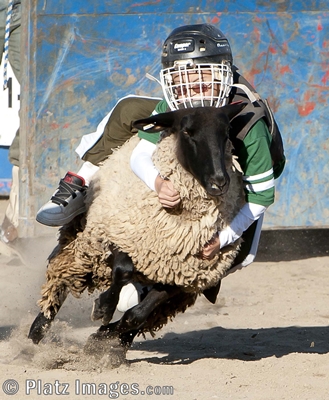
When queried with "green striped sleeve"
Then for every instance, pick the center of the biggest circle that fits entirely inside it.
(256, 162)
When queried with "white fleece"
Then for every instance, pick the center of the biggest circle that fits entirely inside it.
(142, 165)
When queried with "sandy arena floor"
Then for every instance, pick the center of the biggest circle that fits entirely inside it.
(266, 338)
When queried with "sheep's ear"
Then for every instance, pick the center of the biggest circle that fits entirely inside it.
(233, 109)
(155, 123)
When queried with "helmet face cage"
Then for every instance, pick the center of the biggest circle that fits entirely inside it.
(210, 85)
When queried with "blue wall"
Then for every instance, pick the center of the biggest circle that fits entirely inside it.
(5, 171)
(85, 55)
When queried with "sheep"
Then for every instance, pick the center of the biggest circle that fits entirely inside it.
(127, 236)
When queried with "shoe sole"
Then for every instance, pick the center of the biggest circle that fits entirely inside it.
(60, 222)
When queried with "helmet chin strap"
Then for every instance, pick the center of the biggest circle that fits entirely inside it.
(195, 104)
(252, 96)
(152, 78)
(199, 103)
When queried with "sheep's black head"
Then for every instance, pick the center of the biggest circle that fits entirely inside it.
(203, 141)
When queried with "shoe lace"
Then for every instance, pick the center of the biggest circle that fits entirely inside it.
(65, 190)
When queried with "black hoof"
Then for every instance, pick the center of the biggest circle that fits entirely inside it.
(212, 293)
(104, 312)
(97, 311)
(106, 344)
(39, 328)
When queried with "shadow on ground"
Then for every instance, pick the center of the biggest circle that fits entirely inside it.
(5, 331)
(248, 344)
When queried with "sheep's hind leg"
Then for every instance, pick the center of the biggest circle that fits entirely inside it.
(212, 293)
(106, 303)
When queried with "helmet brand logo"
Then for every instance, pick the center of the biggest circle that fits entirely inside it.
(183, 46)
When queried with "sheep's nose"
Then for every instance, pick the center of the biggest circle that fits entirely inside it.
(218, 187)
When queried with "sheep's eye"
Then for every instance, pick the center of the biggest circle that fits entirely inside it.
(186, 133)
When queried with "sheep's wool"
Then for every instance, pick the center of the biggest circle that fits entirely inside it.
(163, 244)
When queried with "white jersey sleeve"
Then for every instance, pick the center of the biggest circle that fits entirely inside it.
(141, 163)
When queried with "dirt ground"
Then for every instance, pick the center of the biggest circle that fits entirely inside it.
(267, 337)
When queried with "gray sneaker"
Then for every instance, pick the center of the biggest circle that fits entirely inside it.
(66, 203)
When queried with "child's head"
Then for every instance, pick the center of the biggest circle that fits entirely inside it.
(196, 61)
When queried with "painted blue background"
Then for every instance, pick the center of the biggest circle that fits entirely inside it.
(5, 171)
(83, 56)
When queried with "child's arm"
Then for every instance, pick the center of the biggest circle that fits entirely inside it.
(142, 165)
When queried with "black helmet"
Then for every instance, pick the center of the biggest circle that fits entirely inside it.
(202, 43)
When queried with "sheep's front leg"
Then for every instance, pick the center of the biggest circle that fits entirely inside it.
(39, 327)
(42, 323)
(114, 339)
(109, 343)
(106, 303)
(108, 334)
(134, 318)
